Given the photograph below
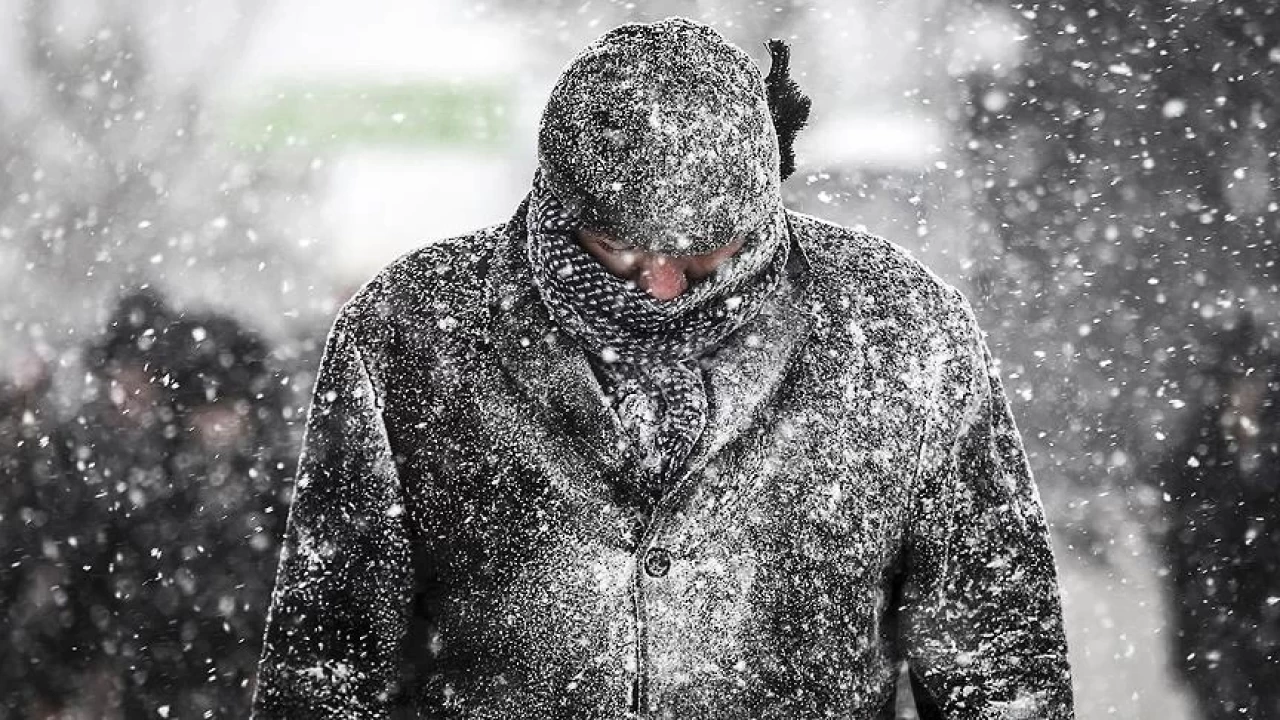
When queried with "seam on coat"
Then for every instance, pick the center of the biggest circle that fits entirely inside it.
(379, 402)
(916, 481)
(399, 498)
(639, 685)
(946, 491)
(977, 399)
(916, 489)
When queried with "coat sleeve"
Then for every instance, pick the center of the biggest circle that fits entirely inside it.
(338, 613)
(981, 618)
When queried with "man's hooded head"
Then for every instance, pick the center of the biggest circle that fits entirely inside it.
(663, 135)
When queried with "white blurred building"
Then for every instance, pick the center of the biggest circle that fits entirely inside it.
(426, 112)
(412, 107)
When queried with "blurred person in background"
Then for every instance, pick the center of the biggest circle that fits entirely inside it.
(117, 445)
(660, 447)
(37, 664)
(163, 515)
(63, 592)
(198, 555)
(1222, 538)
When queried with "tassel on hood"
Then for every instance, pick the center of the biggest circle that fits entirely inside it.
(787, 105)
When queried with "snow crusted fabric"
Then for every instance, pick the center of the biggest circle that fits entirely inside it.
(462, 545)
(662, 136)
(649, 351)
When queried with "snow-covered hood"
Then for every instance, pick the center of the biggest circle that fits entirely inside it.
(661, 134)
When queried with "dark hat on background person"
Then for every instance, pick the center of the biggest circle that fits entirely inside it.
(668, 137)
(221, 360)
(1237, 348)
(139, 321)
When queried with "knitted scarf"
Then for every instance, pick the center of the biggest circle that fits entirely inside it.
(646, 352)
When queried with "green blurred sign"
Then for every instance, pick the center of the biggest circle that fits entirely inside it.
(418, 114)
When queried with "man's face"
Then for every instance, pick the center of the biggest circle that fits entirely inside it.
(1245, 396)
(221, 425)
(665, 277)
(131, 391)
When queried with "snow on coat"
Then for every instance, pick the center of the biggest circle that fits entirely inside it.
(458, 543)
(466, 540)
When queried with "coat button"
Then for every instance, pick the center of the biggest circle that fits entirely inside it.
(657, 562)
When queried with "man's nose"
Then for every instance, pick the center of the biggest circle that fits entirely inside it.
(663, 277)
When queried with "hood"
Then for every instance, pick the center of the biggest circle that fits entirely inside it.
(661, 135)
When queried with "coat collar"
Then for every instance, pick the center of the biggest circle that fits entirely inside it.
(552, 371)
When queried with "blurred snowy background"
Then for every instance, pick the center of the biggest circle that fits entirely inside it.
(1099, 176)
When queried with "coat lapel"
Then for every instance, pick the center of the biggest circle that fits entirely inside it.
(546, 365)
(749, 370)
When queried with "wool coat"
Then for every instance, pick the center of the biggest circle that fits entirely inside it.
(463, 541)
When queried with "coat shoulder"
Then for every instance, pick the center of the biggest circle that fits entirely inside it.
(439, 286)
(849, 266)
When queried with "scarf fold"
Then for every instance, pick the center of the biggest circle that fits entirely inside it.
(647, 353)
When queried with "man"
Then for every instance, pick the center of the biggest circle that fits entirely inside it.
(659, 447)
